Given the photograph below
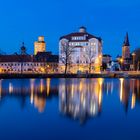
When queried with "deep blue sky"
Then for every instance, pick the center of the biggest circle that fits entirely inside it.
(25, 20)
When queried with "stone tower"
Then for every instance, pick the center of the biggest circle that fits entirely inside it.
(126, 48)
(23, 49)
(40, 45)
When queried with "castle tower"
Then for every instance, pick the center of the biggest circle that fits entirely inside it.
(40, 45)
(126, 48)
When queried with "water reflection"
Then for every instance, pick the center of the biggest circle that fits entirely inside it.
(129, 92)
(79, 99)
(37, 90)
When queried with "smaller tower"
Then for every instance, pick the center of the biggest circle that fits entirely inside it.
(126, 48)
(82, 29)
(23, 49)
(40, 45)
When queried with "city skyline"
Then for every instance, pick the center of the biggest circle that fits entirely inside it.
(19, 23)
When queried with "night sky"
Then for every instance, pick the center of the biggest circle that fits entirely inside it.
(25, 20)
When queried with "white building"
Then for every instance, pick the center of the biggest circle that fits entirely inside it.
(43, 62)
(84, 49)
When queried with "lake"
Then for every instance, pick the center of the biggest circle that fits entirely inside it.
(85, 109)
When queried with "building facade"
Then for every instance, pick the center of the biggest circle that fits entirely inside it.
(43, 62)
(40, 45)
(82, 50)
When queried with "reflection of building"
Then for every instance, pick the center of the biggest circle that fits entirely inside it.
(124, 92)
(129, 92)
(80, 98)
(40, 103)
(40, 45)
(85, 49)
(39, 91)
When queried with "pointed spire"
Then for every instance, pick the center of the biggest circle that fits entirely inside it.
(126, 41)
(23, 49)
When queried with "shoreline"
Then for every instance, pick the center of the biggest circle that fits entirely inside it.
(96, 75)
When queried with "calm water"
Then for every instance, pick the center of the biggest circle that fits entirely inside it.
(85, 109)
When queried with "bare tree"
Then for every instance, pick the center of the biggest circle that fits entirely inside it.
(89, 57)
(65, 57)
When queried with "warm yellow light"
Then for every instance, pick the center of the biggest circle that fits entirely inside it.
(32, 91)
(10, 88)
(100, 56)
(0, 70)
(121, 88)
(42, 69)
(0, 88)
(41, 86)
(133, 54)
(100, 80)
(48, 86)
(133, 101)
(121, 60)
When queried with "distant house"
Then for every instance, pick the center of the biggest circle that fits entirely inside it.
(115, 66)
(106, 61)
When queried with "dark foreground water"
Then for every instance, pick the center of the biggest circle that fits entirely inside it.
(82, 109)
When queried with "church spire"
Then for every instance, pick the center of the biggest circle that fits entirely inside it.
(23, 49)
(126, 41)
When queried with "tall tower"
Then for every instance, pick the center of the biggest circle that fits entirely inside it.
(126, 48)
(40, 45)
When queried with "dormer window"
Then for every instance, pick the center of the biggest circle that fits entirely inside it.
(79, 38)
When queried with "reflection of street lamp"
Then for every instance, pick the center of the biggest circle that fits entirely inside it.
(133, 54)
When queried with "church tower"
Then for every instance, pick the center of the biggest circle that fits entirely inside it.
(23, 49)
(126, 48)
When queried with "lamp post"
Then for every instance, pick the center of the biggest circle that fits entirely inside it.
(134, 54)
(121, 61)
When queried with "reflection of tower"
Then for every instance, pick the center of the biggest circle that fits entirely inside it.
(48, 86)
(126, 48)
(40, 45)
(32, 90)
(0, 88)
(39, 103)
(124, 92)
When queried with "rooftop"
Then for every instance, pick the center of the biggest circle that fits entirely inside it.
(82, 32)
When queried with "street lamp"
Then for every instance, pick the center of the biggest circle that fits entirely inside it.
(121, 61)
(133, 54)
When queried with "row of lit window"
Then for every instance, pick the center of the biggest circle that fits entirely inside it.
(78, 43)
(18, 70)
(82, 44)
(22, 64)
(79, 38)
